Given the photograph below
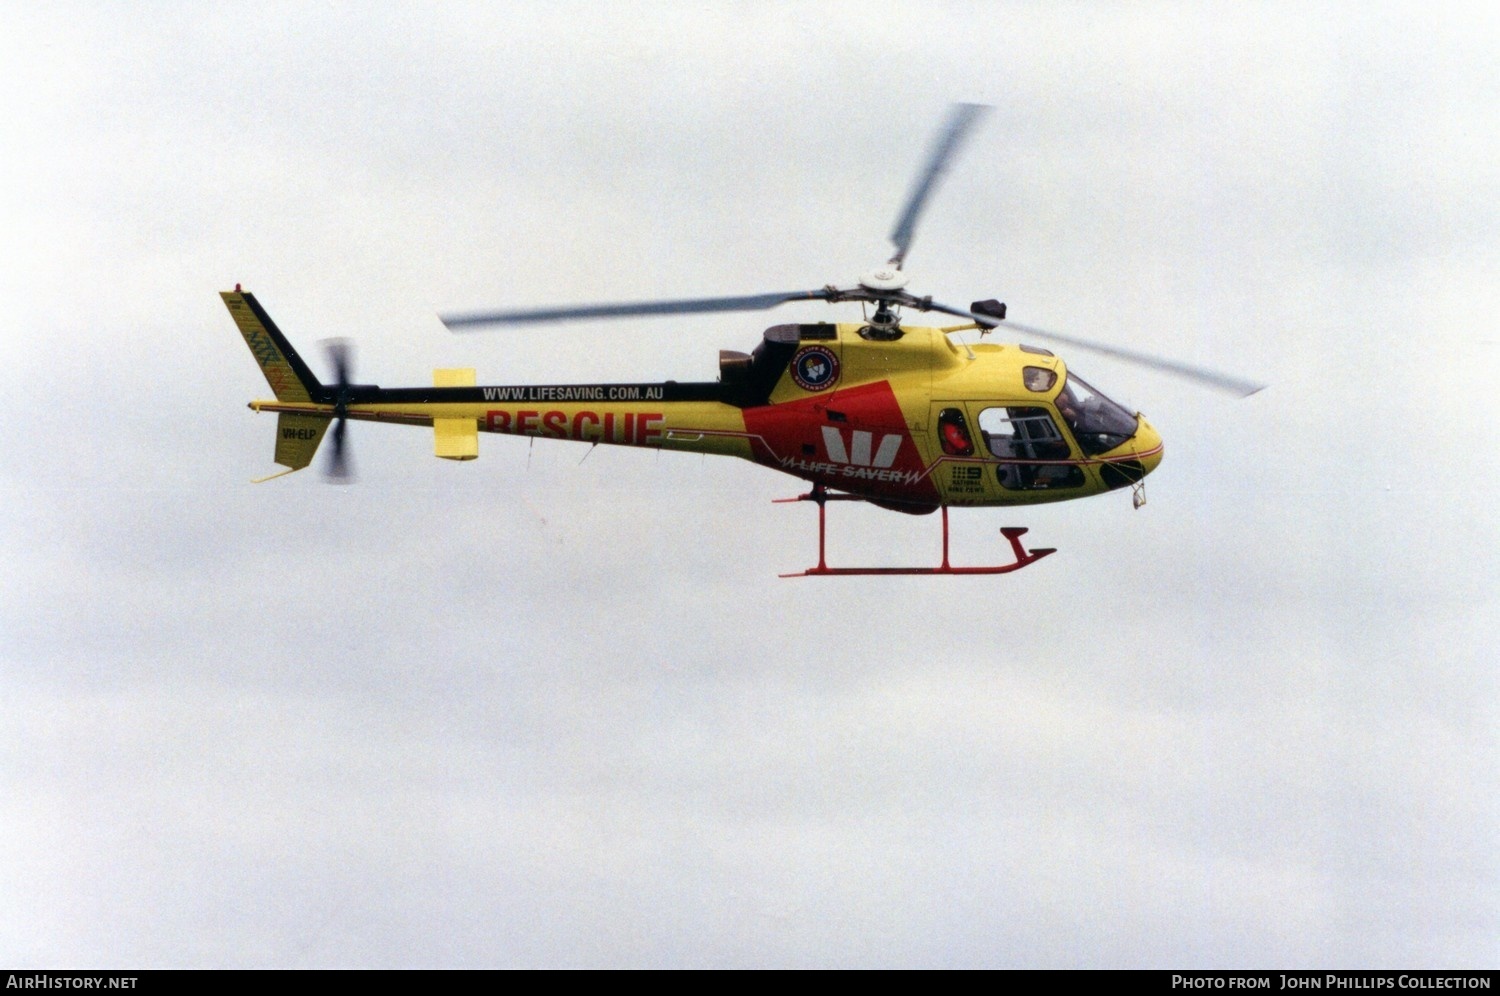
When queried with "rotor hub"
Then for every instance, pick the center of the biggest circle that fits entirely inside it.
(884, 278)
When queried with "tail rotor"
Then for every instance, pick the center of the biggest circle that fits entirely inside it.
(338, 469)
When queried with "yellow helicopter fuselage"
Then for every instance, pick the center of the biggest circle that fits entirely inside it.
(912, 422)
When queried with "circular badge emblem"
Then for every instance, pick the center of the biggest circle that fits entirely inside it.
(815, 368)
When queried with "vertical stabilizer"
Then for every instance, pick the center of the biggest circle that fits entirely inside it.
(297, 438)
(289, 377)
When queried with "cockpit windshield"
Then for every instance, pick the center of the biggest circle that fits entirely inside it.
(1098, 423)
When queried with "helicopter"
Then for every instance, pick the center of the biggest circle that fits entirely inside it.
(900, 416)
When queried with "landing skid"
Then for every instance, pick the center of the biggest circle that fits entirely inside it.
(821, 495)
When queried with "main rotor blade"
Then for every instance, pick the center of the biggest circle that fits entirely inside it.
(1209, 378)
(691, 306)
(960, 120)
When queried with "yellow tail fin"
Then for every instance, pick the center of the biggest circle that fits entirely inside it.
(289, 377)
(297, 438)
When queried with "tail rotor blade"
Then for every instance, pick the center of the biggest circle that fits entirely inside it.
(338, 470)
(340, 356)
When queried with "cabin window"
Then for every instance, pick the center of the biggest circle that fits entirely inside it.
(953, 433)
(1033, 452)
(1098, 423)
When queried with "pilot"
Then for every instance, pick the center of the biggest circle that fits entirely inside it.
(1067, 407)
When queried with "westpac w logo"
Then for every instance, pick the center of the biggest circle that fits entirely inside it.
(861, 451)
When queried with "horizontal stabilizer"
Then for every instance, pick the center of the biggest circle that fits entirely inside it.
(455, 438)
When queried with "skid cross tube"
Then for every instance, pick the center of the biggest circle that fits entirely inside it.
(822, 496)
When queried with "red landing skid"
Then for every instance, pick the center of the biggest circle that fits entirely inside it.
(820, 494)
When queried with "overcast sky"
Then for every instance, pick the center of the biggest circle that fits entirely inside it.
(532, 711)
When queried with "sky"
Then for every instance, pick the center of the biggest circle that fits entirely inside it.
(538, 710)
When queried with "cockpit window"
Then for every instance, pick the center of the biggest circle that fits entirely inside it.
(1098, 423)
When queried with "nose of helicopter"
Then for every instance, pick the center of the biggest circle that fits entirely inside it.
(1147, 443)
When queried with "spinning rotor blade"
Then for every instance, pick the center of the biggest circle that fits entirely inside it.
(1209, 378)
(337, 470)
(339, 353)
(340, 356)
(691, 306)
(960, 121)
